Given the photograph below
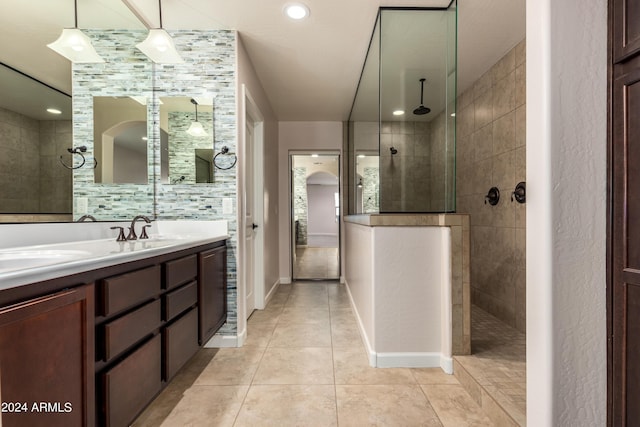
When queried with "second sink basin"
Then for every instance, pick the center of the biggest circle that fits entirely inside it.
(22, 259)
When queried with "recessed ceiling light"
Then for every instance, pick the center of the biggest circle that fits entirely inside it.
(453, 114)
(144, 138)
(296, 11)
(361, 156)
(314, 155)
(53, 111)
(398, 112)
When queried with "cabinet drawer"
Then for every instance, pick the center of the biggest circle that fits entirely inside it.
(132, 384)
(129, 289)
(179, 300)
(180, 271)
(131, 328)
(180, 343)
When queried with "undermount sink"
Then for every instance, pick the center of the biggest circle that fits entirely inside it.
(21, 259)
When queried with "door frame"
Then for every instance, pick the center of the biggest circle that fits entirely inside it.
(250, 112)
(292, 232)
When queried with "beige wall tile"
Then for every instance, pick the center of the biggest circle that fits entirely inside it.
(504, 66)
(521, 52)
(483, 108)
(504, 133)
(504, 95)
(503, 165)
(521, 87)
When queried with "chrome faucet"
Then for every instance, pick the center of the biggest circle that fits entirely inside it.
(132, 230)
(85, 217)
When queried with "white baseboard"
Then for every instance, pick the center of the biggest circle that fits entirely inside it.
(272, 292)
(343, 280)
(285, 280)
(446, 363)
(221, 341)
(408, 360)
(363, 334)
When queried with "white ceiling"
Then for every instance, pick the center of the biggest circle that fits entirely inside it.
(309, 69)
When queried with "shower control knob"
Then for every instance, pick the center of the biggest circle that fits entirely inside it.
(520, 193)
(492, 197)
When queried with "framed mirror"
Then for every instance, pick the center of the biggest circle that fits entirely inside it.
(186, 136)
(35, 133)
(120, 140)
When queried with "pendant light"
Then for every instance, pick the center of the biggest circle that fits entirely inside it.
(158, 45)
(196, 128)
(74, 45)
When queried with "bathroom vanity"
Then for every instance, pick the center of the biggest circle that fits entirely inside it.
(91, 341)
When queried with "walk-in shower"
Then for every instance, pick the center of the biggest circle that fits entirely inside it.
(402, 157)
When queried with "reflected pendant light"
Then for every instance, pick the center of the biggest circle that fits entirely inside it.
(196, 128)
(158, 46)
(74, 45)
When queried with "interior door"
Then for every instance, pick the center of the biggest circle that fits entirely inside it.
(624, 217)
(249, 220)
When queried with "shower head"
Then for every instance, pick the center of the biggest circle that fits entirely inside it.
(421, 110)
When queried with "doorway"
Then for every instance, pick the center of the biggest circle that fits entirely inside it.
(315, 222)
(252, 202)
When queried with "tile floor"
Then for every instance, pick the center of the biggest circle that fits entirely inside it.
(304, 364)
(316, 263)
(495, 374)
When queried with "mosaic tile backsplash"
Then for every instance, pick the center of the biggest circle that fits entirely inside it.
(208, 72)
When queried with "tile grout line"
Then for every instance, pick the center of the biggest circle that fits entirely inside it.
(264, 351)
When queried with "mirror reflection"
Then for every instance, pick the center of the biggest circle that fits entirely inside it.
(186, 128)
(367, 182)
(35, 132)
(120, 140)
(204, 165)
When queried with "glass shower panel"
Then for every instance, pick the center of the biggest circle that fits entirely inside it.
(417, 110)
(364, 135)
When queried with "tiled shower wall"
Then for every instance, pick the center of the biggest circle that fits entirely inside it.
(209, 72)
(491, 152)
(419, 178)
(31, 177)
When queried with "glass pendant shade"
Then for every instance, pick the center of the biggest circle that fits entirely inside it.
(74, 45)
(159, 47)
(196, 129)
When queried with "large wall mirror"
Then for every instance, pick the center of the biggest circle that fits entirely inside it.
(187, 134)
(35, 134)
(120, 140)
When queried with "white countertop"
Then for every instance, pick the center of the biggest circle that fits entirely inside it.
(22, 265)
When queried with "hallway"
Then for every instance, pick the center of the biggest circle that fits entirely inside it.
(316, 263)
(304, 364)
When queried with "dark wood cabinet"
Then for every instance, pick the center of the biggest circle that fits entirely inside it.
(212, 291)
(98, 355)
(130, 385)
(624, 19)
(623, 234)
(46, 360)
(180, 343)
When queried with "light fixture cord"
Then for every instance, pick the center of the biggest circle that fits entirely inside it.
(196, 112)
(75, 10)
(160, 9)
